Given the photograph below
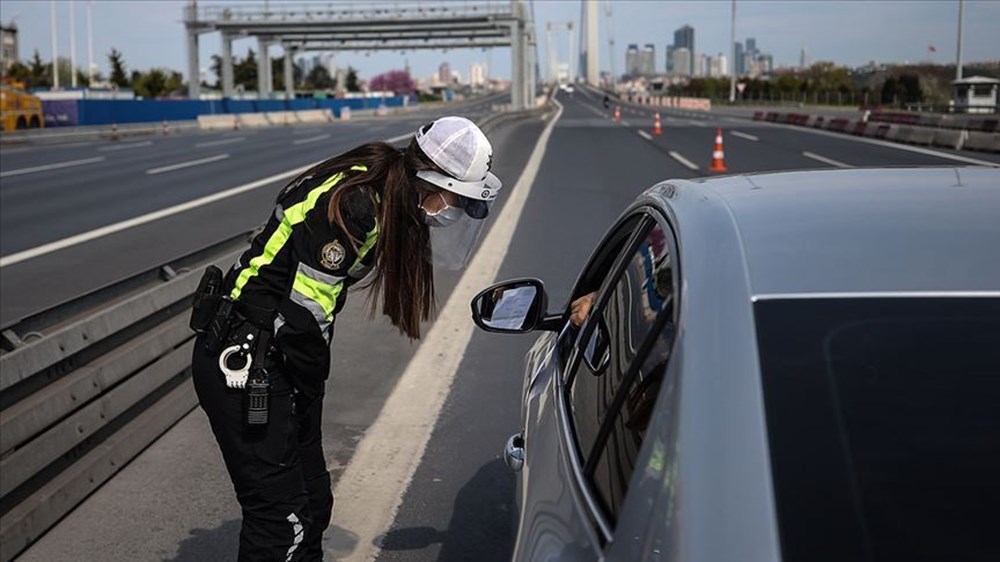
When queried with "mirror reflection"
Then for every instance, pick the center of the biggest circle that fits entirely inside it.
(508, 308)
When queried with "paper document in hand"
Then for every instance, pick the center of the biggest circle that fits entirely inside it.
(512, 308)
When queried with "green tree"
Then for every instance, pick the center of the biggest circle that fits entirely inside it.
(351, 81)
(157, 82)
(41, 73)
(117, 62)
(319, 79)
(245, 71)
(20, 72)
(889, 91)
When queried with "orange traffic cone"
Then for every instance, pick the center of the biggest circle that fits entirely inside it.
(618, 113)
(114, 131)
(718, 156)
(657, 129)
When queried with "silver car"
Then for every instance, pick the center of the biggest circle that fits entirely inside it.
(796, 366)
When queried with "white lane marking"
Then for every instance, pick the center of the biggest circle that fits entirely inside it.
(697, 123)
(826, 160)
(645, 135)
(125, 146)
(400, 138)
(744, 136)
(187, 164)
(372, 486)
(47, 167)
(150, 217)
(889, 144)
(683, 160)
(626, 123)
(218, 142)
(311, 139)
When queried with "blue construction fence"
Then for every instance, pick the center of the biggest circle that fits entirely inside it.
(60, 113)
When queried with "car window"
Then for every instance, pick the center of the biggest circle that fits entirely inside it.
(651, 318)
(883, 425)
(610, 339)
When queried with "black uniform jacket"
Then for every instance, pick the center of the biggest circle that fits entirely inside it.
(299, 267)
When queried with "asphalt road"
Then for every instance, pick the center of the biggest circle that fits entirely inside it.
(40, 204)
(174, 501)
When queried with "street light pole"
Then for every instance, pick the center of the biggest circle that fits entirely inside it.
(55, 48)
(90, 42)
(958, 57)
(72, 44)
(732, 49)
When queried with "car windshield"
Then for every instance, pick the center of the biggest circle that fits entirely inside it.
(883, 418)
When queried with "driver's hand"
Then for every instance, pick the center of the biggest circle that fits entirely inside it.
(581, 308)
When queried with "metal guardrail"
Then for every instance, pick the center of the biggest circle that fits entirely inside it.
(89, 384)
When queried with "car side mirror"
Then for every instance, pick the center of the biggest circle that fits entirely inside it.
(514, 307)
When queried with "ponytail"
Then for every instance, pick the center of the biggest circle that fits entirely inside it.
(403, 278)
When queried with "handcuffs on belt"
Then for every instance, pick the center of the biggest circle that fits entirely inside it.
(237, 378)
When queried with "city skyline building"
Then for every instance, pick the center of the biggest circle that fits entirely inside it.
(444, 73)
(632, 59)
(682, 62)
(647, 60)
(739, 67)
(8, 46)
(477, 74)
(684, 37)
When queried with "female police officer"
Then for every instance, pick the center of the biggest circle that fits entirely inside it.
(262, 354)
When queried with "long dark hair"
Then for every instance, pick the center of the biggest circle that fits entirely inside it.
(403, 276)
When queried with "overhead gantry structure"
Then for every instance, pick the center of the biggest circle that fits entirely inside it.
(369, 26)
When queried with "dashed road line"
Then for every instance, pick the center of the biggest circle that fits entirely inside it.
(626, 123)
(218, 142)
(149, 217)
(311, 139)
(826, 160)
(645, 135)
(47, 167)
(682, 160)
(188, 164)
(124, 146)
(696, 123)
(744, 136)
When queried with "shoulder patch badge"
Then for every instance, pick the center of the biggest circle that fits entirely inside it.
(332, 255)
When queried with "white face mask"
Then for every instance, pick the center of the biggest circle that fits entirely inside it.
(445, 217)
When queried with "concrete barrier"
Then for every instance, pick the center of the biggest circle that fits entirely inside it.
(217, 122)
(757, 115)
(987, 142)
(903, 133)
(838, 124)
(315, 115)
(281, 117)
(858, 128)
(949, 138)
(921, 135)
(887, 132)
(253, 120)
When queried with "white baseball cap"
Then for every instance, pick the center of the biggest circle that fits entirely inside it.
(459, 147)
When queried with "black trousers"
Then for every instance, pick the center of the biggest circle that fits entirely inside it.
(278, 470)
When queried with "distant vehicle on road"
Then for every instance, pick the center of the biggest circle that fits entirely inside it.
(568, 88)
(794, 366)
(18, 108)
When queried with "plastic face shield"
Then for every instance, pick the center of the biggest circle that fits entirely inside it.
(452, 246)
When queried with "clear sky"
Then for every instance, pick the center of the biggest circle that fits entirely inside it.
(151, 33)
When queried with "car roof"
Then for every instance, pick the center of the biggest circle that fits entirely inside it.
(886, 230)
